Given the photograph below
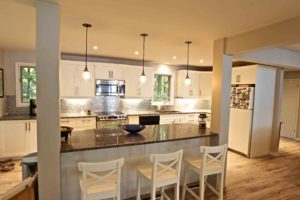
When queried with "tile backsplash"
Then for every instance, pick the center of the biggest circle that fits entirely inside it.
(114, 103)
(109, 104)
(12, 109)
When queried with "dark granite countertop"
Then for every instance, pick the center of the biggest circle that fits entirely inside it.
(17, 117)
(135, 113)
(28, 117)
(91, 139)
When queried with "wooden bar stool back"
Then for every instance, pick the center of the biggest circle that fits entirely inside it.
(212, 162)
(100, 180)
(164, 171)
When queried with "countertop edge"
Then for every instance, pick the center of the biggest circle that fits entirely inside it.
(142, 143)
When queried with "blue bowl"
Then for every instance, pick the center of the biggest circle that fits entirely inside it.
(132, 128)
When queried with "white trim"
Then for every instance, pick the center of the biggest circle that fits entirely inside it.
(18, 65)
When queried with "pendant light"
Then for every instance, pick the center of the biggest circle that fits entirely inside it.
(187, 80)
(143, 77)
(86, 73)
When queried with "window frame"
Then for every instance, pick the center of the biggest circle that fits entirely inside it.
(18, 67)
(171, 90)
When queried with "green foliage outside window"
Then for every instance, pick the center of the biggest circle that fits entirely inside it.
(162, 88)
(28, 84)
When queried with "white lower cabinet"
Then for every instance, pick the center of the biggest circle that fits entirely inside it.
(179, 118)
(79, 123)
(17, 138)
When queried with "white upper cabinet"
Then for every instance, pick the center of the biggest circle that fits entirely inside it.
(244, 75)
(200, 87)
(134, 88)
(108, 71)
(71, 82)
(205, 81)
(187, 91)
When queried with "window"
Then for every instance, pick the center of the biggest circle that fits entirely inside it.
(162, 88)
(25, 83)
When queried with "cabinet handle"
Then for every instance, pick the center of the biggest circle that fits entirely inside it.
(29, 126)
(199, 92)
(26, 126)
(238, 78)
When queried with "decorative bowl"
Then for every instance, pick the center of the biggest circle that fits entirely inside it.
(65, 131)
(132, 128)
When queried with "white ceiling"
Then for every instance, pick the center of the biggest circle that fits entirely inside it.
(117, 25)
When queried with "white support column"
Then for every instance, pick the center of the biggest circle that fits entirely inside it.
(277, 110)
(221, 84)
(48, 55)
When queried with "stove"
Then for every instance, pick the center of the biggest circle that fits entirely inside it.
(111, 116)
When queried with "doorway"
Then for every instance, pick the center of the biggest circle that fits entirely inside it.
(290, 108)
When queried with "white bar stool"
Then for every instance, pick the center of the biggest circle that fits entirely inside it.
(211, 162)
(164, 171)
(101, 180)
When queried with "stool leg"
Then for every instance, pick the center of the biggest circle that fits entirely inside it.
(138, 195)
(161, 193)
(201, 187)
(177, 191)
(153, 195)
(221, 190)
(185, 175)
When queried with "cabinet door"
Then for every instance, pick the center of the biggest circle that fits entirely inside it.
(67, 79)
(133, 119)
(244, 75)
(108, 71)
(133, 88)
(194, 86)
(147, 88)
(13, 138)
(136, 89)
(31, 136)
(205, 85)
(84, 88)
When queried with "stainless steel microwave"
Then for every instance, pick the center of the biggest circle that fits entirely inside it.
(110, 87)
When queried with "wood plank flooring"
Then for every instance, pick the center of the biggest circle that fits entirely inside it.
(10, 179)
(272, 177)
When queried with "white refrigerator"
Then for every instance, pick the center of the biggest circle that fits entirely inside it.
(241, 118)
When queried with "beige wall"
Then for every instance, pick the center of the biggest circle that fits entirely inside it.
(10, 57)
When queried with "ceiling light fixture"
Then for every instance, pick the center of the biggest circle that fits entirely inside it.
(187, 80)
(86, 74)
(95, 47)
(201, 60)
(174, 57)
(143, 77)
(136, 53)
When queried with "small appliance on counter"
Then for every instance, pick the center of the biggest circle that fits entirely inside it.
(111, 120)
(202, 122)
(32, 107)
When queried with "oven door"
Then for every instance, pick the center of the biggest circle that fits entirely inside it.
(111, 124)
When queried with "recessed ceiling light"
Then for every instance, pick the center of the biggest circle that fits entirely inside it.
(201, 60)
(136, 53)
(95, 47)
(167, 63)
(174, 57)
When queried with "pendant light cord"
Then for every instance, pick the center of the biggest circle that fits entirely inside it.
(188, 58)
(86, 38)
(144, 38)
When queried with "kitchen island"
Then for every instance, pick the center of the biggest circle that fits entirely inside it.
(97, 145)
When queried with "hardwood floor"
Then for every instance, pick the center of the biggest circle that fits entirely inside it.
(272, 177)
(10, 179)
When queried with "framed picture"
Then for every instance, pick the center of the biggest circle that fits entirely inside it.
(1, 83)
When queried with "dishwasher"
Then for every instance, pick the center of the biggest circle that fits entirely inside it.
(149, 119)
